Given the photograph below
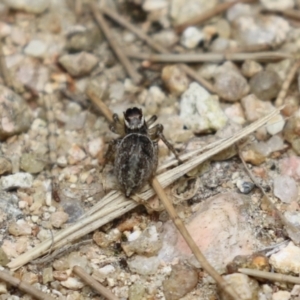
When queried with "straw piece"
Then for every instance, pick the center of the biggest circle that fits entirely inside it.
(23, 286)
(136, 77)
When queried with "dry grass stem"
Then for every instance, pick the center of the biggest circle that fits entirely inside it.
(191, 243)
(23, 286)
(286, 84)
(250, 48)
(115, 204)
(219, 8)
(210, 57)
(94, 97)
(134, 75)
(102, 290)
(157, 47)
(289, 13)
(270, 276)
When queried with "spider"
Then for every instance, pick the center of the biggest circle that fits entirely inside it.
(136, 150)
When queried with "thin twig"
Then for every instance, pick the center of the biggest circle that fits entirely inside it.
(219, 8)
(209, 57)
(249, 48)
(135, 76)
(289, 13)
(157, 47)
(94, 96)
(23, 286)
(286, 84)
(102, 290)
(270, 276)
(191, 243)
(59, 252)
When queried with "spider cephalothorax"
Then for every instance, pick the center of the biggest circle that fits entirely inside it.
(136, 150)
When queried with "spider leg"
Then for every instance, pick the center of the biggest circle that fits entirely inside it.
(151, 120)
(116, 126)
(112, 147)
(156, 132)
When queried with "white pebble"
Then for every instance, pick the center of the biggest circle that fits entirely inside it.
(285, 188)
(275, 125)
(17, 180)
(287, 260)
(36, 48)
(191, 37)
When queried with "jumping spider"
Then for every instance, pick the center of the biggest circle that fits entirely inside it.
(136, 150)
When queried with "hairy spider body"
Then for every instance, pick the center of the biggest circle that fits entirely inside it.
(136, 150)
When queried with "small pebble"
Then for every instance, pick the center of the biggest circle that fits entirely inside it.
(253, 156)
(30, 164)
(184, 10)
(95, 146)
(291, 131)
(3, 289)
(235, 113)
(260, 29)
(285, 188)
(3, 258)
(277, 5)
(47, 275)
(200, 111)
(265, 85)
(143, 265)
(79, 64)
(17, 180)
(182, 280)
(175, 80)
(12, 105)
(5, 165)
(137, 291)
(292, 225)
(230, 84)
(217, 231)
(76, 154)
(35, 7)
(287, 259)
(19, 228)
(246, 287)
(36, 48)
(255, 108)
(281, 295)
(83, 39)
(245, 187)
(148, 243)
(250, 68)
(275, 125)
(191, 37)
(58, 218)
(72, 283)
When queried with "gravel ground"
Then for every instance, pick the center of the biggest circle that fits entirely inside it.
(206, 69)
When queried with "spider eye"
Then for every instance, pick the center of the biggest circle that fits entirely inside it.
(133, 113)
(134, 117)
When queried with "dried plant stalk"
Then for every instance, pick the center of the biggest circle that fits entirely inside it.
(115, 204)
(210, 57)
(219, 8)
(102, 290)
(135, 76)
(286, 84)
(191, 243)
(270, 276)
(23, 286)
(157, 47)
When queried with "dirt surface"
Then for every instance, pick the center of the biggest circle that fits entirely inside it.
(59, 57)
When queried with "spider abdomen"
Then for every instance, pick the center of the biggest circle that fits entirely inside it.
(135, 162)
